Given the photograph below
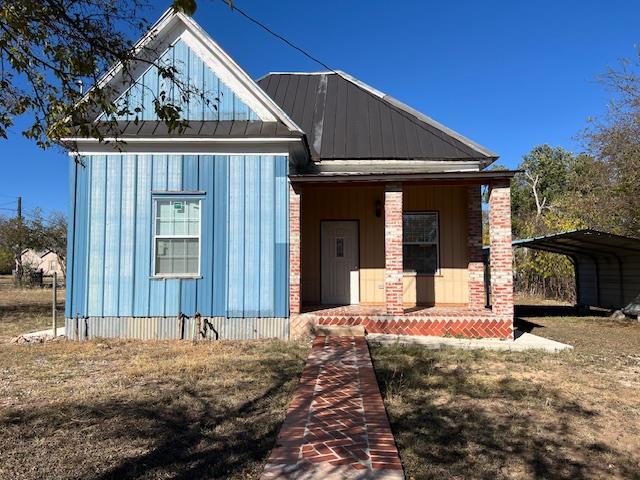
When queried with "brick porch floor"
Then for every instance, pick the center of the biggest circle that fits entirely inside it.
(434, 321)
(336, 425)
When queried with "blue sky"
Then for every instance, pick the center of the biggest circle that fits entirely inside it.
(508, 74)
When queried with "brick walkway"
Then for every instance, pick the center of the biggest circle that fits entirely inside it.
(336, 425)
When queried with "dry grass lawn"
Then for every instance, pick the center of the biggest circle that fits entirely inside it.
(116, 409)
(487, 415)
(24, 310)
(143, 410)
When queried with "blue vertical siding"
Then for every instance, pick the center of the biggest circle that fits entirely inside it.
(142, 247)
(211, 98)
(244, 236)
(112, 238)
(267, 236)
(97, 244)
(127, 235)
(71, 240)
(281, 260)
(236, 258)
(251, 292)
(221, 235)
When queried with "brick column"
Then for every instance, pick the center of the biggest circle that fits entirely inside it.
(474, 247)
(294, 251)
(501, 258)
(393, 248)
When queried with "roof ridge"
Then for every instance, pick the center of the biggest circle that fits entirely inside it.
(394, 102)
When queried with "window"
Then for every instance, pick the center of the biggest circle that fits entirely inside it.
(339, 247)
(52, 265)
(420, 243)
(177, 237)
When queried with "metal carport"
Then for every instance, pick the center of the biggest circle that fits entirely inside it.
(607, 266)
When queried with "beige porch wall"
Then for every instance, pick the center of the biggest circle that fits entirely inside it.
(342, 202)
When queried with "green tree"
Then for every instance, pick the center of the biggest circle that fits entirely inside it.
(540, 188)
(7, 263)
(542, 205)
(18, 234)
(47, 46)
(54, 237)
(614, 141)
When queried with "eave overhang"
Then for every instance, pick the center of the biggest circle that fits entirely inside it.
(444, 177)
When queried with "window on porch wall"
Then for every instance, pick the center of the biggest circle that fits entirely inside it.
(420, 239)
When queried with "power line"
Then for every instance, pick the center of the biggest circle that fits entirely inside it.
(277, 35)
(408, 116)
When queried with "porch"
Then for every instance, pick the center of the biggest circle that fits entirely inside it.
(402, 257)
(420, 320)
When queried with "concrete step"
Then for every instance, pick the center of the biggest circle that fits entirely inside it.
(338, 331)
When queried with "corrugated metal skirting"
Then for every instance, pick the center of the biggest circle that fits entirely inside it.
(172, 328)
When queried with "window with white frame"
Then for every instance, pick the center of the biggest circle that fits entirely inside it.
(420, 243)
(177, 237)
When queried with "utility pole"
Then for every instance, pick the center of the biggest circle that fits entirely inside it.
(19, 269)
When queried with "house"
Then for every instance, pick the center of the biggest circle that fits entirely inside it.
(302, 199)
(45, 261)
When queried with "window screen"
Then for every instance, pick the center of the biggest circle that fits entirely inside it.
(420, 243)
(177, 237)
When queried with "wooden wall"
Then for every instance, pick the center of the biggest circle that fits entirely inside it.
(449, 287)
(343, 203)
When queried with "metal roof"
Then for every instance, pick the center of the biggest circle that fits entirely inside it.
(583, 242)
(346, 119)
(200, 128)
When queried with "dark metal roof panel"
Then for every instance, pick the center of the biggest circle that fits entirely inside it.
(587, 241)
(200, 129)
(345, 119)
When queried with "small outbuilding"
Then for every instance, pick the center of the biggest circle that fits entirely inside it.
(607, 266)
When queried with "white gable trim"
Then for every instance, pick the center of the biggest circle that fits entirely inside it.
(242, 77)
(215, 57)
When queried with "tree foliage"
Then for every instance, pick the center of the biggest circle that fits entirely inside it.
(36, 232)
(598, 188)
(48, 46)
(615, 142)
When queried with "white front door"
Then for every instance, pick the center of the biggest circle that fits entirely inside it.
(339, 259)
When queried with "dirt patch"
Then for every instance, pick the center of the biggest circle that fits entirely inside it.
(462, 414)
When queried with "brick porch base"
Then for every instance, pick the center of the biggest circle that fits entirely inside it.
(436, 321)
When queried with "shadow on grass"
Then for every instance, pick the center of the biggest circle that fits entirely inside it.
(27, 309)
(559, 311)
(179, 433)
(451, 422)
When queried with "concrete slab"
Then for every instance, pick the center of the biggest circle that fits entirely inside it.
(45, 333)
(40, 336)
(524, 341)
